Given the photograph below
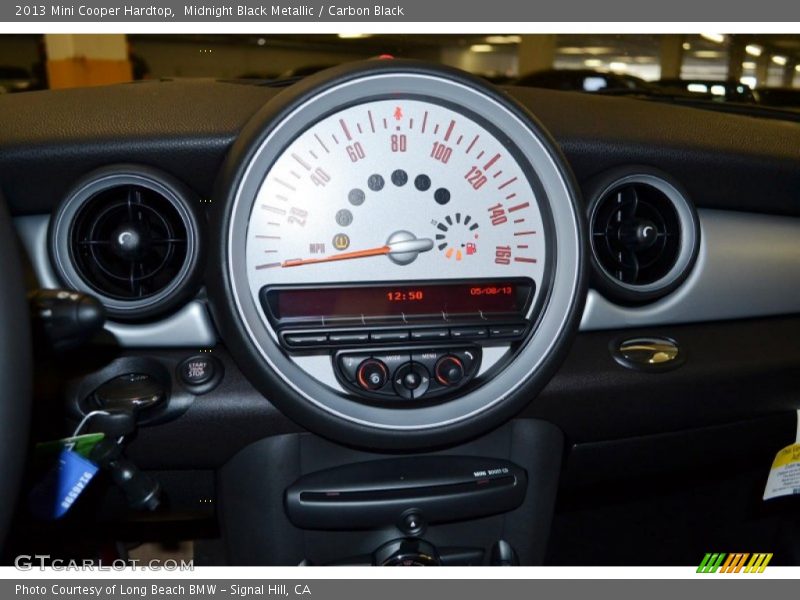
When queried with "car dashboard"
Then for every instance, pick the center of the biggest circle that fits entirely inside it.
(395, 264)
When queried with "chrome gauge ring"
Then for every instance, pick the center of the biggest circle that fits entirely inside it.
(402, 256)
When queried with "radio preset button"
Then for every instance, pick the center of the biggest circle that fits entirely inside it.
(305, 339)
(507, 331)
(348, 338)
(468, 333)
(389, 336)
(430, 334)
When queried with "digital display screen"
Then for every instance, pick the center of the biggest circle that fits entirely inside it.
(411, 302)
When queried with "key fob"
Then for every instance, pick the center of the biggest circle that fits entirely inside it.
(61, 486)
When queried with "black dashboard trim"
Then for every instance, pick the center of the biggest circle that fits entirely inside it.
(591, 398)
(186, 127)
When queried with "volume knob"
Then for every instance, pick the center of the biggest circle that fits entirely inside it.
(449, 370)
(372, 374)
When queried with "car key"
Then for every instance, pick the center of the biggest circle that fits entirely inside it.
(141, 491)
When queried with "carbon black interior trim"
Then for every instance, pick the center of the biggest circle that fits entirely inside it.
(748, 267)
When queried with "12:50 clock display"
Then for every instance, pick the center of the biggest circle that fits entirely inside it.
(405, 295)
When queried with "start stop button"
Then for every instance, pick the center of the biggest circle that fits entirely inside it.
(200, 373)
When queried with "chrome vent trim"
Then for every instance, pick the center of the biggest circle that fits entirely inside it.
(129, 235)
(629, 266)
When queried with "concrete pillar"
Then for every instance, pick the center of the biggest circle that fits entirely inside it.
(536, 53)
(788, 73)
(762, 69)
(83, 60)
(671, 56)
(736, 56)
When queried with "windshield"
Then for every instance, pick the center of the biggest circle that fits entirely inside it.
(759, 71)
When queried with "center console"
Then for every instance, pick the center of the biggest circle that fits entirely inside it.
(300, 499)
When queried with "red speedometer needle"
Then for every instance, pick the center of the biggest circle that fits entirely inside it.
(405, 249)
(296, 262)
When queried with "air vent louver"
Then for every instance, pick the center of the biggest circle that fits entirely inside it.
(128, 242)
(636, 234)
(643, 236)
(128, 235)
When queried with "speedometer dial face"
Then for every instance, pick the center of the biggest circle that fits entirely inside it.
(396, 189)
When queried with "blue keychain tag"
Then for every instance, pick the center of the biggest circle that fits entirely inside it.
(54, 495)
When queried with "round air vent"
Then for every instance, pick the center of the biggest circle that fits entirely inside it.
(644, 234)
(128, 234)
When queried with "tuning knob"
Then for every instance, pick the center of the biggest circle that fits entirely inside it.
(449, 370)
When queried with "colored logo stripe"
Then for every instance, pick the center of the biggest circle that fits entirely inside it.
(711, 562)
(758, 563)
(734, 563)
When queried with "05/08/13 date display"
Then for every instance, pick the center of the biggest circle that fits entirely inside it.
(429, 302)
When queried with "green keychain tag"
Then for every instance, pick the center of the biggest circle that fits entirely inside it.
(80, 444)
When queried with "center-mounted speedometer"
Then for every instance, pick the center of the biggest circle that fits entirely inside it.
(404, 188)
(401, 253)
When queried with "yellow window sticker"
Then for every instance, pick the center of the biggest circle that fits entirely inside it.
(784, 476)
